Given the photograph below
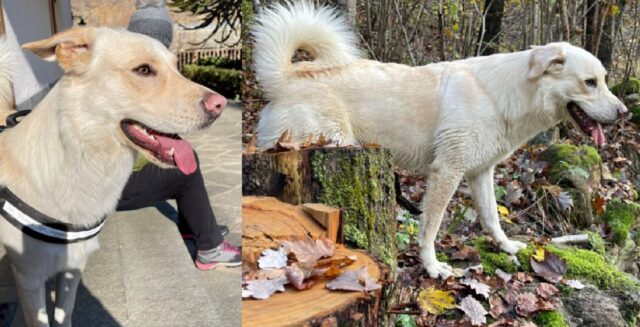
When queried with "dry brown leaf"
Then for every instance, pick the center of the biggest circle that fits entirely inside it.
(474, 310)
(551, 268)
(285, 137)
(497, 306)
(526, 304)
(263, 288)
(546, 290)
(308, 251)
(467, 253)
(355, 280)
(251, 145)
(297, 276)
(477, 286)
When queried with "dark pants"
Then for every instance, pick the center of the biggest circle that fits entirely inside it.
(152, 185)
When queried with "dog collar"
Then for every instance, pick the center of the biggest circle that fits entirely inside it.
(40, 226)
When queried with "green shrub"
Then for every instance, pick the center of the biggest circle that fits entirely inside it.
(620, 217)
(224, 81)
(220, 62)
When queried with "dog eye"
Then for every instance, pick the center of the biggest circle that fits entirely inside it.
(591, 82)
(144, 70)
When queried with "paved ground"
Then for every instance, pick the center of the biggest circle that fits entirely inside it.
(143, 275)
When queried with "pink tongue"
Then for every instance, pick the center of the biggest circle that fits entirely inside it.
(182, 155)
(598, 135)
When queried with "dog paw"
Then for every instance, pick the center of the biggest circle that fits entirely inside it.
(512, 247)
(438, 269)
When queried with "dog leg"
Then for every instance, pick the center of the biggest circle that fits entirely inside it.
(441, 184)
(484, 200)
(66, 288)
(31, 292)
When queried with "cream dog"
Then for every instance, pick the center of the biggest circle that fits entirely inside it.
(69, 159)
(447, 120)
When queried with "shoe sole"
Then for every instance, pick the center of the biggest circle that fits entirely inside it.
(214, 265)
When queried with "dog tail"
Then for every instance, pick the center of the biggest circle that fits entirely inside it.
(6, 81)
(280, 30)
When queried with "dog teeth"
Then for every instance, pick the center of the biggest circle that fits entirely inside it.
(171, 151)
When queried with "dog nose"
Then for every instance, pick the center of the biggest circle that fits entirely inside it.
(214, 103)
(623, 111)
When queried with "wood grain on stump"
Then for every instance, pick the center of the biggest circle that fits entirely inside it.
(319, 306)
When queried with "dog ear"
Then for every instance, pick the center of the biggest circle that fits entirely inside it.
(71, 48)
(545, 59)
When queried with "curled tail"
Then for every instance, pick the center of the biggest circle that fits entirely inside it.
(280, 30)
(6, 83)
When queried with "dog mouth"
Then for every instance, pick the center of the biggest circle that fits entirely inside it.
(167, 148)
(587, 124)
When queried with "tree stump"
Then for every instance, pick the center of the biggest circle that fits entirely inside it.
(360, 181)
(267, 221)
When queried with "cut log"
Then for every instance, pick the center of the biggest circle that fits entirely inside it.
(359, 181)
(328, 217)
(267, 221)
(319, 306)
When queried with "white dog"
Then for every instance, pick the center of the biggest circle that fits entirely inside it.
(448, 120)
(69, 160)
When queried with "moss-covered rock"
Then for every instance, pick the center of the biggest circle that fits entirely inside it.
(596, 243)
(493, 258)
(581, 264)
(633, 86)
(620, 218)
(577, 170)
(550, 319)
(567, 161)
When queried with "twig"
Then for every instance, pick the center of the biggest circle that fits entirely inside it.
(579, 238)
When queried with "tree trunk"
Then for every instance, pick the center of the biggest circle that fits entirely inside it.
(360, 181)
(490, 40)
(605, 47)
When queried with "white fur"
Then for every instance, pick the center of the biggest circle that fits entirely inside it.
(70, 160)
(6, 85)
(448, 120)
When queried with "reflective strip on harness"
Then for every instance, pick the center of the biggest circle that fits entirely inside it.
(41, 226)
(32, 224)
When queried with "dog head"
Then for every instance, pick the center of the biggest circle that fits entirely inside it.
(130, 83)
(574, 87)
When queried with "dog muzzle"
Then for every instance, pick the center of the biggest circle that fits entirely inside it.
(40, 226)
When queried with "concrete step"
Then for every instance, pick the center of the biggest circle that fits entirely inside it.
(143, 275)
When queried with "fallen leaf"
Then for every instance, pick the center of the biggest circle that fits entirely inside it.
(565, 200)
(251, 145)
(263, 288)
(478, 287)
(538, 255)
(504, 214)
(435, 302)
(598, 204)
(297, 275)
(497, 306)
(546, 290)
(574, 283)
(551, 268)
(526, 304)
(467, 253)
(355, 280)
(309, 250)
(506, 277)
(474, 310)
(272, 259)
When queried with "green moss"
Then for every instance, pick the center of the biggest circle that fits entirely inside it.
(550, 319)
(581, 264)
(633, 86)
(596, 242)
(492, 258)
(620, 217)
(567, 159)
(636, 114)
(352, 184)
(442, 257)
(592, 267)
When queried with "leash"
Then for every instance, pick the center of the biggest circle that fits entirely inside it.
(12, 120)
(40, 226)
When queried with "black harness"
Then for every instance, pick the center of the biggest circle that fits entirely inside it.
(34, 223)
